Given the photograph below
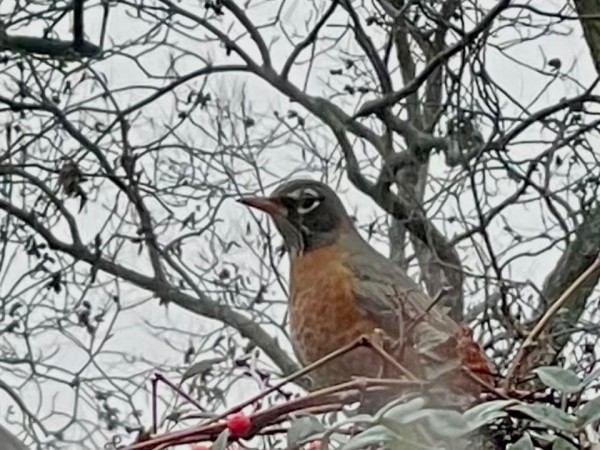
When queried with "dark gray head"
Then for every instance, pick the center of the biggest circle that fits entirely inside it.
(307, 213)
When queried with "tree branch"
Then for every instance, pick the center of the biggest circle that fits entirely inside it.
(251, 28)
(520, 363)
(373, 106)
(370, 51)
(78, 36)
(310, 39)
(55, 48)
(591, 27)
(578, 256)
(201, 305)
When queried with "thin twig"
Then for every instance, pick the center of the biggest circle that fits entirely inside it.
(487, 386)
(420, 317)
(160, 377)
(529, 343)
(385, 355)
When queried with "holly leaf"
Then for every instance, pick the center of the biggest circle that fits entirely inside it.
(441, 423)
(562, 444)
(303, 428)
(396, 411)
(200, 367)
(589, 413)
(487, 412)
(221, 441)
(522, 444)
(560, 379)
(375, 435)
(547, 414)
(591, 377)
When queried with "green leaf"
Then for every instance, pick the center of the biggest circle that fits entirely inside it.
(371, 436)
(302, 428)
(359, 418)
(221, 441)
(398, 411)
(522, 444)
(591, 377)
(588, 413)
(543, 439)
(547, 414)
(562, 444)
(562, 380)
(441, 423)
(485, 413)
(379, 434)
(201, 367)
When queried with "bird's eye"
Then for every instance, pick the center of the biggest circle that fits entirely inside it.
(307, 204)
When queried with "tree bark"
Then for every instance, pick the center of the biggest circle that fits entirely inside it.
(589, 17)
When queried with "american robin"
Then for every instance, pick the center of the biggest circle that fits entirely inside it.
(342, 289)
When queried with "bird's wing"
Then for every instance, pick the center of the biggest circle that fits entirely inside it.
(400, 307)
(390, 297)
(10, 441)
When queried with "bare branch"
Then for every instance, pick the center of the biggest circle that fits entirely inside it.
(202, 306)
(587, 11)
(580, 254)
(591, 272)
(308, 40)
(373, 106)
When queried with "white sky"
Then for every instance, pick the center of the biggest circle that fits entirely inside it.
(133, 336)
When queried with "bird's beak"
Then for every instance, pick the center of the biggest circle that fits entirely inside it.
(266, 204)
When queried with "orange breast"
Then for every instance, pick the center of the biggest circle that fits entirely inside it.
(323, 313)
(324, 317)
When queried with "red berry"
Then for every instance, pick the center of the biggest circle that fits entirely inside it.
(239, 425)
(314, 445)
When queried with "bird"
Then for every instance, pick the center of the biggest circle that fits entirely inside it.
(341, 290)
(10, 441)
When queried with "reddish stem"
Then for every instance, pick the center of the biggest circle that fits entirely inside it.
(160, 377)
(335, 396)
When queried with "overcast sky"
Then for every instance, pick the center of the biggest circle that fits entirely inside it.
(133, 335)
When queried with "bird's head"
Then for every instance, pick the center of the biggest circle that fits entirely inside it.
(307, 213)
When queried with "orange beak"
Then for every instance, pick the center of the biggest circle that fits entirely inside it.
(266, 204)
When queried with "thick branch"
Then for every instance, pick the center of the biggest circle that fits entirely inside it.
(578, 256)
(251, 28)
(78, 36)
(591, 27)
(55, 48)
(522, 362)
(50, 47)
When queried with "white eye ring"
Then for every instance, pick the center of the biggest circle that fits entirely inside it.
(307, 204)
